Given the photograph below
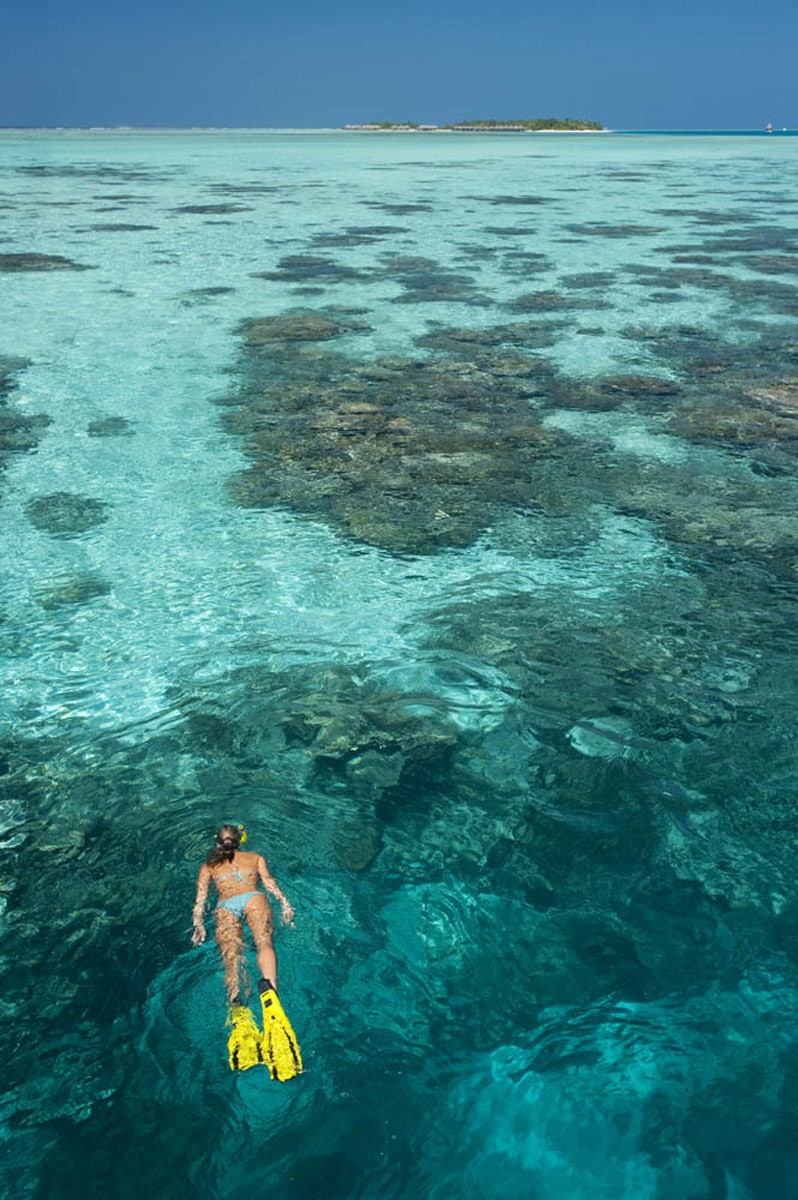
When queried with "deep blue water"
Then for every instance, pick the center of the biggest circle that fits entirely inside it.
(427, 504)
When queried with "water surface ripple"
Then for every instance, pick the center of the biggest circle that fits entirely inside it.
(428, 504)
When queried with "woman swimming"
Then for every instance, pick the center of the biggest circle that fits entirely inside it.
(235, 873)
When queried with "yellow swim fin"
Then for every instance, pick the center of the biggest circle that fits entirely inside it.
(244, 1043)
(279, 1046)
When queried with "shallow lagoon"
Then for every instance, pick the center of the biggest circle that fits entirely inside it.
(428, 504)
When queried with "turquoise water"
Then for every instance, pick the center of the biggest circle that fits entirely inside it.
(428, 504)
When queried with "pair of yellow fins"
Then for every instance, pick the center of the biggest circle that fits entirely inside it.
(275, 1047)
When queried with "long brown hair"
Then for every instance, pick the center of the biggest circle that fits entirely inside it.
(228, 839)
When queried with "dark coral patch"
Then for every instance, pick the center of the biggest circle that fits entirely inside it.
(377, 231)
(30, 261)
(300, 268)
(300, 326)
(9, 368)
(663, 279)
(523, 334)
(71, 589)
(697, 260)
(448, 290)
(66, 514)
(774, 294)
(510, 230)
(400, 210)
(662, 298)
(217, 290)
(426, 281)
(204, 294)
(589, 279)
(771, 264)
(512, 201)
(110, 427)
(738, 425)
(120, 227)
(764, 239)
(242, 189)
(523, 263)
(779, 297)
(637, 393)
(615, 231)
(19, 432)
(552, 302)
(639, 385)
(410, 455)
(344, 239)
(476, 253)
(744, 417)
(213, 209)
(708, 217)
(112, 174)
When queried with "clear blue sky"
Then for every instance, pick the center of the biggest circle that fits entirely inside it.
(628, 63)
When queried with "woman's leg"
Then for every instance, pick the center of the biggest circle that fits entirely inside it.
(259, 918)
(231, 943)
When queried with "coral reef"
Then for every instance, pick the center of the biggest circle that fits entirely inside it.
(19, 432)
(300, 326)
(66, 514)
(411, 455)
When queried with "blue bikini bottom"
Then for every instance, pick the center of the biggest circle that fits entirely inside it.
(237, 904)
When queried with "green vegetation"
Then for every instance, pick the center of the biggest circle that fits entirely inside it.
(528, 125)
(525, 126)
(385, 125)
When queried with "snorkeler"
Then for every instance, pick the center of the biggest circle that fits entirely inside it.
(235, 873)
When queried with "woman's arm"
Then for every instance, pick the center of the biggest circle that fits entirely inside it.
(273, 888)
(198, 915)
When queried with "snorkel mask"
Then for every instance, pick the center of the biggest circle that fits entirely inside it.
(232, 843)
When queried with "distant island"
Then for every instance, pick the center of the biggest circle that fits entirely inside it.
(535, 125)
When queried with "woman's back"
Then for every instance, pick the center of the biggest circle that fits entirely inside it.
(240, 874)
